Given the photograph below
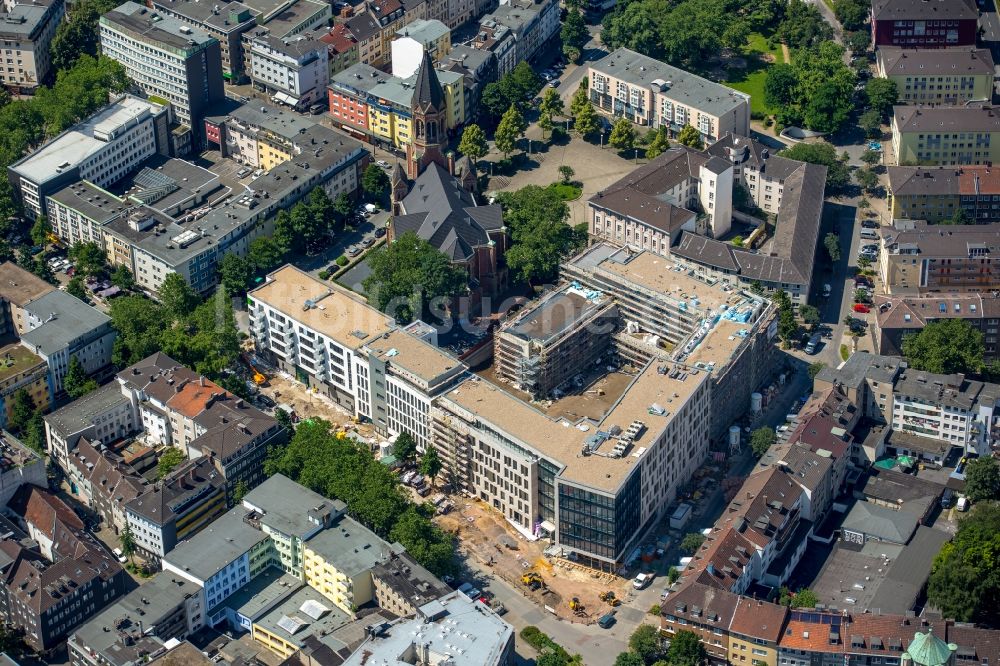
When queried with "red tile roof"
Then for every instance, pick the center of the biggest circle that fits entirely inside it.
(759, 619)
(340, 38)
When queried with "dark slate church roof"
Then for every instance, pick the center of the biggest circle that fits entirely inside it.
(440, 211)
(427, 89)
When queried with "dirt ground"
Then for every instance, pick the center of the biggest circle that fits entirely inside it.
(286, 390)
(480, 530)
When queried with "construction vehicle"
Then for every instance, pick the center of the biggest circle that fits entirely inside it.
(575, 605)
(258, 377)
(532, 580)
(610, 598)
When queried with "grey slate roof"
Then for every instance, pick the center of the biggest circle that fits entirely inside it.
(880, 522)
(911, 10)
(286, 505)
(71, 318)
(699, 93)
(444, 214)
(213, 548)
(78, 415)
(958, 61)
(165, 31)
(427, 93)
(945, 119)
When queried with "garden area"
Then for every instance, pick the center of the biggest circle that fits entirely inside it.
(747, 73)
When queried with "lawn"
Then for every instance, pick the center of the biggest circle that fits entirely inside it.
(567, 191)
(751, 80)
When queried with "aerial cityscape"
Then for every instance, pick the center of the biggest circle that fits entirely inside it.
(500, 333)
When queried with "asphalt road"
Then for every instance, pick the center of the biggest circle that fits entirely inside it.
(841, 219)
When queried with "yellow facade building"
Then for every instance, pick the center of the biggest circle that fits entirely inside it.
(939, 76)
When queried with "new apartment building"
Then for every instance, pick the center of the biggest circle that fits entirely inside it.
(943, 194)
(26, 30)
(651, 93)
(916, 258)
(551, 341)
(899, 316)
(102, 149)
(710, 325)
(941, 136)
(590, 483)
(349, 351)
(294, 71)
(924, 24)
(167, 59)
(942, 76)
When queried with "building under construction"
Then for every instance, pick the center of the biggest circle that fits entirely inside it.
(555, 339)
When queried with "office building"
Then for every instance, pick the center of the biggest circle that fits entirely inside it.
(102, 149)
(412, 40)
(941, 136)
(452, 627)
(708, 324)
(28, 28)
(350, 352)
(924, 24)
(167, 59)
(917, 258)
(944, 194)
(550, 341)
(651, 93)
(61, 579)
(899, 316)
(951, 76)
(578, 479)
(294, 71)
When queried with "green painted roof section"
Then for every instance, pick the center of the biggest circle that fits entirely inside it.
(929, 650)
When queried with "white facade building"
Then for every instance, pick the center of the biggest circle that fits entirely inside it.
(295, 71)
(411, 42)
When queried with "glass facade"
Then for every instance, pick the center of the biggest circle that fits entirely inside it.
(597, 524)
(547, 489)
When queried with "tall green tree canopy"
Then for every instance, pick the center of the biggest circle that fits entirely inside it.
(76, 383)
(965, 579)
(982, 479)
(541, 238)
(945, 346)
(408, 274)
(510, 129)
(686, 649)
(838, 176)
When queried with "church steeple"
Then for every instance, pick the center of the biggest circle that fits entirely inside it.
(429, 121)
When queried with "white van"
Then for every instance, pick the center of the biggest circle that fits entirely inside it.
(869, 234)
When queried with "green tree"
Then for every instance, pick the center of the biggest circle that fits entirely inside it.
(858, 40)
(40, 230)
(805, 598)
(629, 659)
(870, 123)
(832, 243)
(21, 411)
(235, 273)
(961, 216)
(803, 26)
(430, 464)
(428, 544)
(982, 479)
(866, 179)
(645, 642)
(851, 13)
(342, 207)
(34, 433)
(409, 274)
(127, 540)
(177, 296)
(89, 258)
(965, 579)
(264, 253)
(882, 94)
(622, 134)
(691, 542)
(945, 346)
(815, 368)
(761, 440)
(864, 263)
(779, 86)
(240, 491)
(690, 137)
(540, 236)
(566, 173)
(510, 129)
(473, 144)
(139, 323)
(685, 647)
(673, 574)
(405, 448)
(585, 120)
(78, 34)
(574, 30)
(550, 107)
(169, 459)
(75, 288)
(838, 176)
(659, 143)
(809, 314)
(122, 278)
(76, 383)
(871, 157)
(375, 183)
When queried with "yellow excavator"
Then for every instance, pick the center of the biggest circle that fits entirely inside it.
(532, 580)
(610, 598)
(577, 607)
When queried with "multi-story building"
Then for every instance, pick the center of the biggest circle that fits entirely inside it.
(581, 481)
(531, 22)
(942, 76)
(653, 209)
(373, 26)
(294, 71)
(139, 624)
(499, 40)
(652, 93)
(479, 69)
(407, 50)
(547, 343)
(18, 287)
(104, 482)
(402, 586)
(709, 325)
(62, 580)
(924, 24)
(102, 149)
(170, 61)
(945, 135)
(20, 467)
(27, 29)
(342, 48)
(944, 194)
(916, 258)
(22, 370)
(103, 415)
(350, 352)
(191, 497)
(476, 634)
(899, 316)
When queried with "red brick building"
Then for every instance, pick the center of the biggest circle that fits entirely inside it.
(924, 24)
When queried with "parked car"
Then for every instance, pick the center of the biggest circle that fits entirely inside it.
(869, 224)
(353, 251)
(947, 498)
(424, 491)
(862, 308)
(382, 164)
(243, 173)
(117, 552)
(471, 591)
(318, 108)
(380, 232)
(813, 343)
(642, 580)
(266, 401)
(607, 620)
(554, 83)
(826, 291)
(368, 242)
(963, 504)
